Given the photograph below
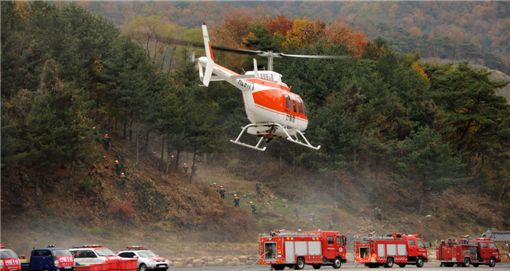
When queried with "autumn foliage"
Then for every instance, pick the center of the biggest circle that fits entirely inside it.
(289, 34)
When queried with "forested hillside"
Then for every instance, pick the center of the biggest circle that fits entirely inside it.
(395, 133)
(475, 31)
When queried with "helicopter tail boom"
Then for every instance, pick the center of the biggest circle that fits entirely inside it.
(213, 71)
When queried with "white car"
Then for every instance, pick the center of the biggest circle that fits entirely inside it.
(146, 258)
(89, 254)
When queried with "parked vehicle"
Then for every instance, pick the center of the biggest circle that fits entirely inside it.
(92, 254)
(49, 259)
(466, 252)
(146, 258)
(295, 249)
(395, 248)
(9, 260)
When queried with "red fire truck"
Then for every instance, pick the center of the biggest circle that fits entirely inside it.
(464, 252)
(401, 249)
(295, 249)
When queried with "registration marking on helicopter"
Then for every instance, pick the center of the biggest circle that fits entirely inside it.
(246, 85)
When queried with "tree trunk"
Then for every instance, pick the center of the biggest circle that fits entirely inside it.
(423, 194)
(162, 158)
(131, 129)
(147, 45)
(146, 141)
(177, 157)
(505, 190)
(171, 59)
(125, 130)
(193, 163)
(155, 49)
(162, 66)
(137, 152)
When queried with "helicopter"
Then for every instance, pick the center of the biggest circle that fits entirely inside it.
(273, 110)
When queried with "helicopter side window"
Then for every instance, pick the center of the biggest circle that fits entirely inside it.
(295, 107)
(287, 102)
(301, 107)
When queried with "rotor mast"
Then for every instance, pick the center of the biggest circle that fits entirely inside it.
(270, 56)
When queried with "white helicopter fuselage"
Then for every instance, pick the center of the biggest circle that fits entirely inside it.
(266, 99)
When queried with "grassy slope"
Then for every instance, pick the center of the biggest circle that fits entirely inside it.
(196, 219)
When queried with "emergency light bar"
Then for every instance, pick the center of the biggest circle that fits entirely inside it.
(136, 248)
(89, 246)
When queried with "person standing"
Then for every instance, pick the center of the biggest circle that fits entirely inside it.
(237, 200)
(118, 166)
(107, 142)
(253, 208)
(122, 179)
(258, 190)
(222, 191)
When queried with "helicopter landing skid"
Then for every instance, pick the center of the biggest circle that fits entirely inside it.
(271, 128)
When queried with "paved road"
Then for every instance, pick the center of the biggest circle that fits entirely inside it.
(433, 266)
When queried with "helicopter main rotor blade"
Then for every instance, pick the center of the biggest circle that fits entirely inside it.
(315, 56)
(247, 51)
(201, 45)
(236, 50)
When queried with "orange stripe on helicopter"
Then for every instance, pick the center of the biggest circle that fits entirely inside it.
(275, 100)
(268, 83)
(210, 51)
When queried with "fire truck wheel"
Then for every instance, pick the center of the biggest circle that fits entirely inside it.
(337, 263)
(300, 264)
(419, 262)
(466, 262)
(402, 265)
(142, 267)
(492, 262)
(316, 266)
(389, 263)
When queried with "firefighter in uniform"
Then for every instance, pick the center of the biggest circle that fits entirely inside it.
(253, 208)
(221, 190)
(122, 179)
(97, 134)
(107, 142)
(258, 190)
(237, 200)
(185, 168)
(118, 167)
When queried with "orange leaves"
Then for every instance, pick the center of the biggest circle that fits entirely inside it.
(291, 33)
(234, 28)
(22, 10)
(340, 33)
(421, 72)
(279, 25)
(303, 33)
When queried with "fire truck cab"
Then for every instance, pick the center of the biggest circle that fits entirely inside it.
(295, 249)
(464, 252)
(395, 248)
